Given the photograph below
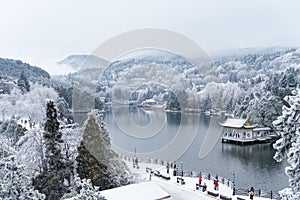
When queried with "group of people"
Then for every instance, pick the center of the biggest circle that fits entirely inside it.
(174, 166)
(216, 181)
(204, 186)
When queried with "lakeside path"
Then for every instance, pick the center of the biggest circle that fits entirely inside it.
(182, 192)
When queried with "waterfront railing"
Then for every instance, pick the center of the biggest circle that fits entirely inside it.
(206, 175)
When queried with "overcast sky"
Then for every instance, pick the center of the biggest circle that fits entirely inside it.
(40, 32)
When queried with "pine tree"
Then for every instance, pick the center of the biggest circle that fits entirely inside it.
(57, 171)
(96, 160)
(92, 159)
(15, 184)
(288, 125)
(23, 83)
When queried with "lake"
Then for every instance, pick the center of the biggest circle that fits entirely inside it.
(253, 165)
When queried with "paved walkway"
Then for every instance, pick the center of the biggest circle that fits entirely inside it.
(182, 192)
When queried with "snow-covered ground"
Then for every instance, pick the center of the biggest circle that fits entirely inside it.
(182, 192)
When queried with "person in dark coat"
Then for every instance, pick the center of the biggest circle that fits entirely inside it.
(251, 193)
(204, 187)
(168, 168)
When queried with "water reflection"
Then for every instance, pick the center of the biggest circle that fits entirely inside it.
(253, 165)
(259, 154)
(173, 118)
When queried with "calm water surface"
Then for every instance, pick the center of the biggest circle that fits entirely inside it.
(253, 164)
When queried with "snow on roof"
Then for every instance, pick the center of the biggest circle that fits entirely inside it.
(146, 191)
(262, 129)
(236, 123)
(233, 122)
(149, 100)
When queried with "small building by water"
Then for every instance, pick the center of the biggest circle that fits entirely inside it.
(241, 131)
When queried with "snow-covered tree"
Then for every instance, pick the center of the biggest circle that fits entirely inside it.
(96, 160)
(15, 184)
(23, 83)
(230, 96)
(93, 157)
(71, 135)
(215, 91)
(85, 191)
(55, 177)
(288, 126)
(11, 130)
(31, 104)
(30, 151)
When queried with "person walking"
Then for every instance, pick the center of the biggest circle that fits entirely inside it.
(168, 168)
(200, 179)
(216, 183)
(204, 187)
(251, 193)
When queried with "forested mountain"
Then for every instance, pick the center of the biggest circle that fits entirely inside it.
(12, 71)
(245, 85)
(246, 82)
(258, 82)
(13, 68)
(252, 66)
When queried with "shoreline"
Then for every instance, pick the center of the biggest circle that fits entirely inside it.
(180, 191)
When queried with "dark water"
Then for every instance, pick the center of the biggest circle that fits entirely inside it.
(253, 165)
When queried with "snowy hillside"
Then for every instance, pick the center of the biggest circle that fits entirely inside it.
(13, 68)
(226, 84)
(235, 53)
(76, 61)
(246, 67)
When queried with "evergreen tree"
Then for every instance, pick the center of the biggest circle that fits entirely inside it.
(65, 113)
(23, 83)
(57, 171)
(288, 125)
(15, 184)
(172, 101)
(96, 160)
(92, 159)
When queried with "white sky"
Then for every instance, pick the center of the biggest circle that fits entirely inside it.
(43, 32)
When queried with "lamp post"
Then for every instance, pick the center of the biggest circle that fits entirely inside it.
(181, 164)
(135, 160)
(233, 182)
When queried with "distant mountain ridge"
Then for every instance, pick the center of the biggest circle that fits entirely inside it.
(240, 52)
(77, 61)
(13, 68)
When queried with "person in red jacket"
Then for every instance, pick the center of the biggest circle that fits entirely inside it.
(200, 179)
(216, 183)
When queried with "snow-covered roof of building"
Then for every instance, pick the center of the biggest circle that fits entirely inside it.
(262, 129)
(237, 123)
(150, 100)
(146, 191)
